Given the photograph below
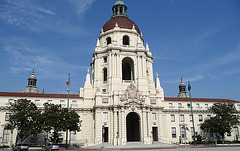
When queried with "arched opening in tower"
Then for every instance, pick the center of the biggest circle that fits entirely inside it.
(127, 69)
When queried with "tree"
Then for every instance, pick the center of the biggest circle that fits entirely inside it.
(226, 117)
(24, 117)
(58, 119)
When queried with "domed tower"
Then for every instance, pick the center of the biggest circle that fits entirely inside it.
(32, 84)
(182, 90)
(122, 86)
(120, 58)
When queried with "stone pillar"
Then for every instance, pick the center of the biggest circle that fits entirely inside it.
(138, 67)
(118, 64)
(115, 128)
(98, 127)
(144, 66)
(160, 126)
(110, 65)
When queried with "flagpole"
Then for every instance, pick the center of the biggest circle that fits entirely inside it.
(68, 83)
(189, 89)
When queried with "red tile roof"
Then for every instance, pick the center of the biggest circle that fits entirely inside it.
(199, 99)
(123, 22)
(41, 95)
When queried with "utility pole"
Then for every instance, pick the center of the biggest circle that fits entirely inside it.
(189, 89)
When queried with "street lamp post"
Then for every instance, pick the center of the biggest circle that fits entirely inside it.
(189, 89)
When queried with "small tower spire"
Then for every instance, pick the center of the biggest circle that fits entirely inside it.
(87, 81)
(158, 86)
(182, 90)
(32, 84)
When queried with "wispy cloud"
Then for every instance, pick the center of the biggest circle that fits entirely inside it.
(81, 5)
(36, 17)
(48, 66)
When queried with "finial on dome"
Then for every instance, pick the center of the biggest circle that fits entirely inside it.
(133, 27)
(181, 79)
(116, 25)
(147, 47)
(156, 74)
(88, 70)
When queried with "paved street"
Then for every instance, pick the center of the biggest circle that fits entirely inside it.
(197, 149)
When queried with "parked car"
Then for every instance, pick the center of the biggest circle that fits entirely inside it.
(20, 147)
(51, 147)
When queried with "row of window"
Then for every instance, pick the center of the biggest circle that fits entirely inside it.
(37, 102)
(180, 105)
(125, 41)
(185, 129)
(182, 118)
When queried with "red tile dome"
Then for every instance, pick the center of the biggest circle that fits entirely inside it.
(122, 21)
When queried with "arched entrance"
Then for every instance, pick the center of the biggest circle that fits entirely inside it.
(133, 127)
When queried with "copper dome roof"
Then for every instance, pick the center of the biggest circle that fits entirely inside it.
(123, 22)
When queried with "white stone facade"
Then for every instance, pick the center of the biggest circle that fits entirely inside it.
(122, 96)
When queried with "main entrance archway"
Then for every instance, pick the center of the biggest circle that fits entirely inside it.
(133, 127)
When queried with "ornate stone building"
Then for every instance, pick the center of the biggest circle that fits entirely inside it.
(121, 95)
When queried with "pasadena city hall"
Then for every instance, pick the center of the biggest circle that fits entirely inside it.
(121, 96)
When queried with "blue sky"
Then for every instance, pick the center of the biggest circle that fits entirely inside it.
(196, 39)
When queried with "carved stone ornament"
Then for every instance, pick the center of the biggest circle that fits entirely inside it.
(153, 101)
(131, 93)
(104, 100)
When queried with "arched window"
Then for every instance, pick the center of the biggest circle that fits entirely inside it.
(125, 40)
(104, 74)
(127, 69)
(109, 40)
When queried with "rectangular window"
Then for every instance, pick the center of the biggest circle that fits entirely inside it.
(208, 117)
(179, 105)
(74, 103)
(6, 135)
(200, 118)
(182, 118)
(198, 105)
(183, 132)
(10, 101)
(172, 118)
(192, 133)
(7, 116)
(105, 116)
(49, 101)
(170, 105)
(154, 117)
(37, 102)
(62, 103)
(105, 59)
(73, 136)
(189, 105)
(236, 131)
(206, 105)
(190, 116)
(174, 135)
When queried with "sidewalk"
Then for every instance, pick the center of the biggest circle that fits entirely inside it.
(129, 146)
